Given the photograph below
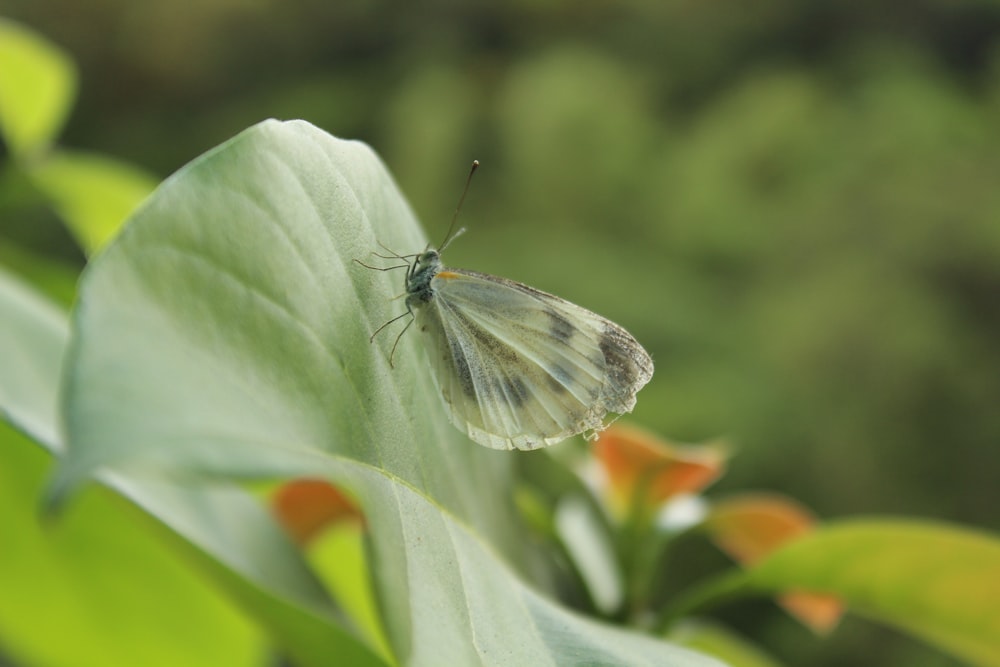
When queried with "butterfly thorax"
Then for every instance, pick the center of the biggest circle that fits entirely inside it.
(418, 282)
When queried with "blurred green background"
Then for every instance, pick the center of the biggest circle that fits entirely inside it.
(795, 206)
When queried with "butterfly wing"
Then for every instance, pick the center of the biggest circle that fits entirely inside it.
(522, 369)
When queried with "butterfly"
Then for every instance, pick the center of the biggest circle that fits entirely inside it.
(517, 368)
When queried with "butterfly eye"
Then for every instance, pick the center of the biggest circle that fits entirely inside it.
(428, 256)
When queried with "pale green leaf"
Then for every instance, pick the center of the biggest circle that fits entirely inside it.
(458, 602)
(93, 194)
(33, 336)
(589, 546)
(938, 582)
(37, 85)
(225, 333)
(464, 605)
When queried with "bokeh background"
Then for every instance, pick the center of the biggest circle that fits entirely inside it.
(795, 206)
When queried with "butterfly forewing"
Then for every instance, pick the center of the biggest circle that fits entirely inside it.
(519, 368)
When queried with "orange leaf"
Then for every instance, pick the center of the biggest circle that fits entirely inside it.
(750, 527)
(643, 468)
(306, 506)
(820, 612)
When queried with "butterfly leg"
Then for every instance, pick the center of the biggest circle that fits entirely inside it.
(371, 339)
(393, 352)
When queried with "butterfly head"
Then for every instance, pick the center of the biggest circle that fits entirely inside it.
(428, 258)
(428, 263)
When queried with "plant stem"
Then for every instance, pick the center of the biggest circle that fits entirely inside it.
(715, 591)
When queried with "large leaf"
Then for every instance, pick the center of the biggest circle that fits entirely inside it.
(37, 84)
(448, 597)
(935, 581)
(465, 606)
(225, 333)
(227, 330)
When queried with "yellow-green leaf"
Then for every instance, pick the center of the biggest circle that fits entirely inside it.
(718, 641)
(936, 581)
(93, 194)
(37, 85)
(98, 588)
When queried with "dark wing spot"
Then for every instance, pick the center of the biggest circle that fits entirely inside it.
(559, 378)
(515, 390)
(560, 328)
(462, 369)
(620, 365)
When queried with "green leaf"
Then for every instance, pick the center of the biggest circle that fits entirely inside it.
(53, 278)
(101, 584)
(225, 333)
(447, 597)
(235, 540)
(107, 590)
(37, 85)
(33, 337)
(108, 580)
(463, 604)
(92, 193)
(938, 582)
(718, 641)
(589, 547)
(339, 557)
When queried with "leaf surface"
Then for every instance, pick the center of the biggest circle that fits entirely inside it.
(33, 337)
(224, 334)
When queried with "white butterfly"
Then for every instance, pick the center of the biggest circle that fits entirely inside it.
(517, 368)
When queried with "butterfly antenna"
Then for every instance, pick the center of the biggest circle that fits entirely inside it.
(450, 236)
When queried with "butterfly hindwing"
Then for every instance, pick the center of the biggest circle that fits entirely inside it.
(520, 368)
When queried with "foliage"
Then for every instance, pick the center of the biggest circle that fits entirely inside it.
(92, 193)
(830, 269)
